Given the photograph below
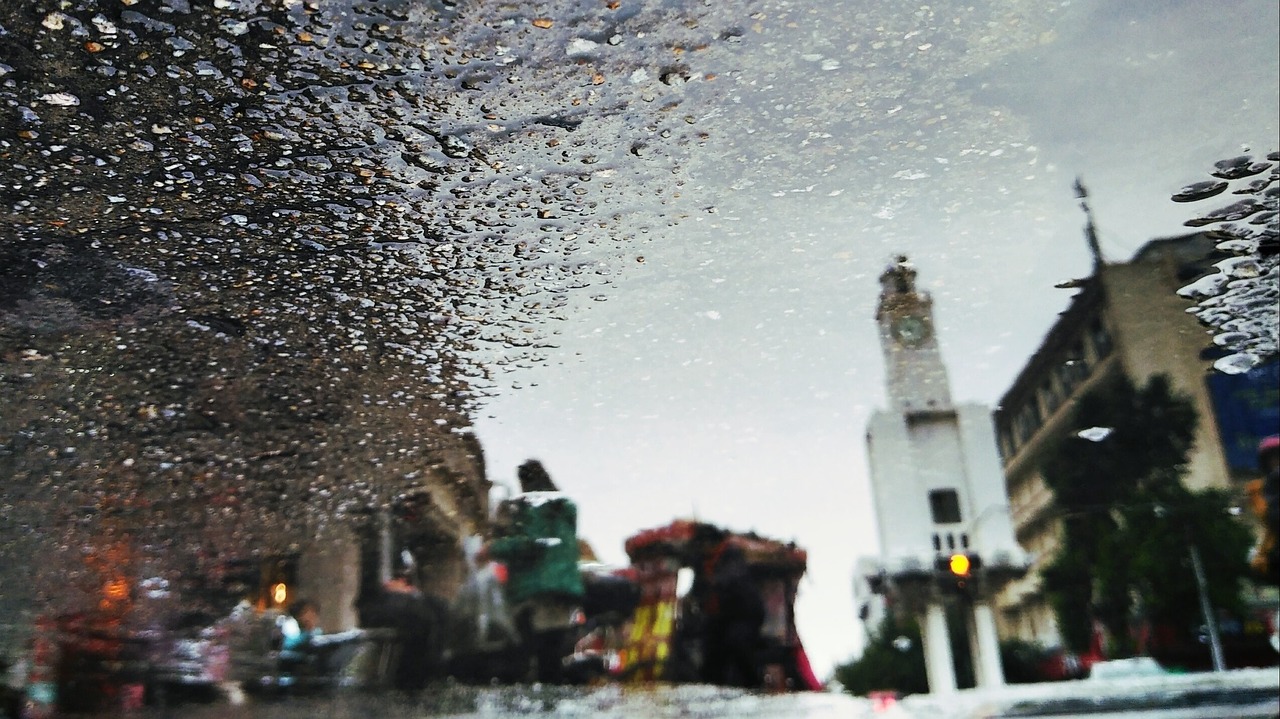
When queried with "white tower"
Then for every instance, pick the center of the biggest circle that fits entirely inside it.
(938, 489)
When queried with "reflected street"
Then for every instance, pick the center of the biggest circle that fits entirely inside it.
(294, 292)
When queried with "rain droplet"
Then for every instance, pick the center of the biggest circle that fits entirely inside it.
(1095, 434)
(1230, 213)
(1200, 191)
(1237, 363)
(580, 46)
(62, 99)
(1237, 167)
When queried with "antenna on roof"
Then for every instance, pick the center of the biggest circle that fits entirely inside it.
(1090, 231)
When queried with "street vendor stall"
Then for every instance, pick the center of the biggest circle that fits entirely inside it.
(732, 621)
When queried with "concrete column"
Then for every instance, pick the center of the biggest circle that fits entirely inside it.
(939, 667)
(985, 644)
(329, 574)
(975, 649)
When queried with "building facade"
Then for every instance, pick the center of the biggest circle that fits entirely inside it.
(1125, 321)
(346, 562)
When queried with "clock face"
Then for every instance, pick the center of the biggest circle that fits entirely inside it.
(911, 331)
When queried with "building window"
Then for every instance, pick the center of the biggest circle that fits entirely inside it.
(1073, 369)
(1100, 337)
(944, 504)
(1050, 395)
(1007, 447)
(1027, 421)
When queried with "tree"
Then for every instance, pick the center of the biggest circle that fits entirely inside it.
(893, 659)
(1128, 521)
(1158, 534)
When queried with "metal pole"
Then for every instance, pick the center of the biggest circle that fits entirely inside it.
(1210, 621)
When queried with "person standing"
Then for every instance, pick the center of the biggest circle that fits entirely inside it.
(539, 546)
(420, 621)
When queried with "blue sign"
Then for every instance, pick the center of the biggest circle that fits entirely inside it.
(1247, 407)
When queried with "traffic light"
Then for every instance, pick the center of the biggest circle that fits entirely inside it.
(279, 594)
(956, 571)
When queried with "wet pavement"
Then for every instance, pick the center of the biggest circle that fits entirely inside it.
(263, 258)
(609, 702)
(1241, 695)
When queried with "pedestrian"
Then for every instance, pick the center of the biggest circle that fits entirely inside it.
(420, 623)
(539, 546)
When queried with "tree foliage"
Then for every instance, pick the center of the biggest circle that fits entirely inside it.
(1128, 521)
(888, 662)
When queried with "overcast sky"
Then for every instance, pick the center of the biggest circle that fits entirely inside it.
(729, 372)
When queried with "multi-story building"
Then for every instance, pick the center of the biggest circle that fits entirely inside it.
(1126, 320)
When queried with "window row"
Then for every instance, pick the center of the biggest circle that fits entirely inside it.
(1056, 386)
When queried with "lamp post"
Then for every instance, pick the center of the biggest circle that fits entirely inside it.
(1202, 591)
(1210, 620)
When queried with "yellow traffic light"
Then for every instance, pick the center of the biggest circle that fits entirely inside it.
(959, 565)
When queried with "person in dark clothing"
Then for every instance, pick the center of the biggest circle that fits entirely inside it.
(419, 620)
(734, 613)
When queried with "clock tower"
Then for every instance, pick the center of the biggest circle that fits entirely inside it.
(916, 379)
(946, 537)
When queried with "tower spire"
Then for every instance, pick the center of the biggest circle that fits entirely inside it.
(1090, 231)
